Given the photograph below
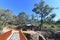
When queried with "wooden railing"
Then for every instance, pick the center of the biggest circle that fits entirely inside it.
(22, 36)
(5, 35)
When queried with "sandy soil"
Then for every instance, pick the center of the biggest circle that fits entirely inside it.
(5, 29)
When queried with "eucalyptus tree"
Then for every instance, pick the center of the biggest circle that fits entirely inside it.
(22, 18)
(50, 18)
(58, 22)
(43, 10)
(33, 17)
(6, 16)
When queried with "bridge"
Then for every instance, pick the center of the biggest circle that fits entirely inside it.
(13, 35)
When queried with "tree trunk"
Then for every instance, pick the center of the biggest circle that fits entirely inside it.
(41, 25)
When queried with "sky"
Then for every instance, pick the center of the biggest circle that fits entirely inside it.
(18, 6)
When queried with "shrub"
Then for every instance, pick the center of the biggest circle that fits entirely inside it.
(52, 26)
(27, 35)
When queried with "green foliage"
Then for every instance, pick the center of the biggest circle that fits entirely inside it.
(58, 26)
(22, 18)
(8, 18)
(43, 10)
(49, 19)
(58, 22)
(33, 17)
(52, 26)
(27, 35)
(5, 16)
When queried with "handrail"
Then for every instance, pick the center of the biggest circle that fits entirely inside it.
(5, 35)
(10, 36)
(22, 36)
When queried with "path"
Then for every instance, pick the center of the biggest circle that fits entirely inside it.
(15, 36)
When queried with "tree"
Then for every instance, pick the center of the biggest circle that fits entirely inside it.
(58, 22)
(5, 16)
(22, 18)
(43, 10)
(14, 21)
(33, 17)
(49, 19)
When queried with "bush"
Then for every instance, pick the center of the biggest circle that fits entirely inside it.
(52, 26)
(58, 26)
(27, 35)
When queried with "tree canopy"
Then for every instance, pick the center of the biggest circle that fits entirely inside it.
(43, 10)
